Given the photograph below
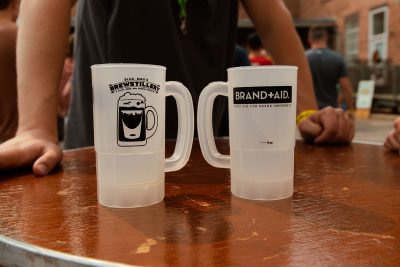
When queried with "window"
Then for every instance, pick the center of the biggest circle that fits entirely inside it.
(378, 23)
(351, 36)
(378, 33)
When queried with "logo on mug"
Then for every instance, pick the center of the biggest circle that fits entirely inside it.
(262, 95)
(136, 121)
(134, 83)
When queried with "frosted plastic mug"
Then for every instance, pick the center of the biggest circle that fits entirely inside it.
(129, 132)
(262, 125)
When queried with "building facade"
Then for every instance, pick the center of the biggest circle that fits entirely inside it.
(365, 32)
(365, 29)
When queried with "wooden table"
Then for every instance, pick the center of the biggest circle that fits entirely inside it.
(345, 211)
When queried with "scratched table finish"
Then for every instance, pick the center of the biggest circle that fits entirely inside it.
(345, 211)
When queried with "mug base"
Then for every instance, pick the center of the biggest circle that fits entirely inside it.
(130, 196)
(130, 180)
(262, 174)
(272, 190)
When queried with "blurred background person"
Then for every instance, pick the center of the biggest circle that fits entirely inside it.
(8, 76)
(258, 56)
(377, 68)
(328, 69)
(65, 88)
(241, 58)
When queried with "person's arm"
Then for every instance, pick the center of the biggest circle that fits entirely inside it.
(41, 46)
(347, 91)
(273, 23)
(392, 141)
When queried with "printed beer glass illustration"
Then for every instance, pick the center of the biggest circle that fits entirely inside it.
(262, 111)
(136, 122)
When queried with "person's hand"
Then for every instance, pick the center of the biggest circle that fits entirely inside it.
(328, 125)
(25, 149)
(392, 141)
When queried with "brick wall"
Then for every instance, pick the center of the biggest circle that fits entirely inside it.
(340, 9)
(292, 5)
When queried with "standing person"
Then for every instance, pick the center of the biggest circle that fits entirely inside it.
(258, 56)
(8, 71)
(193, 39)
(328, 69)
(65, 88)
(240, 57)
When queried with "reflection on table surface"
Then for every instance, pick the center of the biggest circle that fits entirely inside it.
(345, 211)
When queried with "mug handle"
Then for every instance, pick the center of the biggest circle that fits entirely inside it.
(152, 130)
(184, 139)
(204, 125)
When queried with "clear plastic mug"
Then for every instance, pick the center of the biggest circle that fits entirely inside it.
(262, 128)
(129, 132)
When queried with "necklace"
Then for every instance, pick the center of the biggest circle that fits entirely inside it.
(183, 15)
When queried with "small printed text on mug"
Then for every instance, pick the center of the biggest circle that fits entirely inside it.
(134, 83)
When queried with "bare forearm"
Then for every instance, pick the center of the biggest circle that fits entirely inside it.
(41, 46)
(347, 91)
(274, 25)
(348, 96)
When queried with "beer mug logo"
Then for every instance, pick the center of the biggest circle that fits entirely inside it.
(136, 121)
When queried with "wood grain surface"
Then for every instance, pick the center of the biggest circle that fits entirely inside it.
(345, 211)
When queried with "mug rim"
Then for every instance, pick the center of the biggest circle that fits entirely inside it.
(126, 65)
(258, 67)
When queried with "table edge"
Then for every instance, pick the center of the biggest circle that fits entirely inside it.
(17, 253)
